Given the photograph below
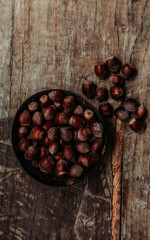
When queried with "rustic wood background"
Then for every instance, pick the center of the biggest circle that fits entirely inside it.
(55, 44)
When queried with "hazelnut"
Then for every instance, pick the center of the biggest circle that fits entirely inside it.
(101, 70)
(54, 147)
(141, 112)
(82, 147)
(53, 133)
(137, 125)
(121, 113)
(61, 168)
(31, 152)
(96, 146)
(66, 134)
(56, 96)
(70, 153)
(89, 115)
(78, 110)
(23, 132)
(128, 71)
(113, 64)
(106, 109)
(44, 100)
(88, 89)
(116, 92)
(76, 171)
(37, 133)
(46, 165)
(25, 118)
(33, 106)
(48, 125)
(43, 151)
(101, 94)
(23, 145)
(117, 80)
(50, 112)
(61, 118)
(131, 105)
(37, 119)
(97, 129)
(84, 134)
(76, 122)
(58, 105)
(69, 103)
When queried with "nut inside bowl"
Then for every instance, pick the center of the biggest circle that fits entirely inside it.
(49, 120)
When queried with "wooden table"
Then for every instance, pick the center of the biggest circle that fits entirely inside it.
(55, 44)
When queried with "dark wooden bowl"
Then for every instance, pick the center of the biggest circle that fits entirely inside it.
(51, 180)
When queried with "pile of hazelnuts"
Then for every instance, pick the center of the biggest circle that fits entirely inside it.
(130, 108)
(59, 135)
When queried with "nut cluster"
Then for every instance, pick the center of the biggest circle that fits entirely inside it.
(130, 108)
(59, 136)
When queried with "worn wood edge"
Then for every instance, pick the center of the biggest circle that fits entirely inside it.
(117, 177)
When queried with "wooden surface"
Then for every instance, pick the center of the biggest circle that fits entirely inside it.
(55, 44)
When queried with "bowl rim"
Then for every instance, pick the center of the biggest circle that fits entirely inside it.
(15, 123)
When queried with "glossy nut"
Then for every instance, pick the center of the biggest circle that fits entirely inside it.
(89, 115)
(137, 125)
(88, 160)
(113, 64)
(47, 164)
(54, 147)
(78, 110)
(82, 147)
(76, 122)
(116, 92)
(23, 145)
(66, 134)
(128, 71)
(37, 119)
(76, 171)
(50, 112)
(97, 129)
(56, 96)
(117, 80)
(121, 113)
(61, 118)
(70, 153)
(25, 118)
(106, 109)
(33, 106)
(44, 100)
(131, 105)
(101, 70)
(43, 151)
(101, 94)
(61, 168)
(84, 134)
(31, 152)
(23, 132)
(48, 125)
(88, 89)
(141, 112)
(69, 103)
(53, 133)
(37, 133)
(96, 146)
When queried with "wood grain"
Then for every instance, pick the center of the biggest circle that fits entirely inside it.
(47, 44)
(117, 180)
